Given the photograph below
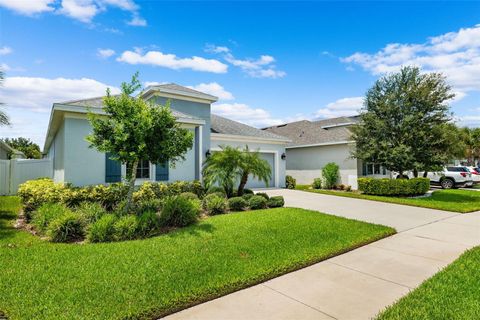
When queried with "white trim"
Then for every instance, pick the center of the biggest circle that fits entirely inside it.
(239, 138)
(319, 144)
(171, 94)
(342, 124)
(200, 152)
(276, 160)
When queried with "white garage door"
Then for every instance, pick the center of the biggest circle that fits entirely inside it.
(254, 183)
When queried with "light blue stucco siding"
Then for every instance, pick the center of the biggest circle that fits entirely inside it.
(83, 165)
(76, 163)
(271, 152)
(196, 109)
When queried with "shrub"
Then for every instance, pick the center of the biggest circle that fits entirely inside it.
(185, 186)
(102, 230)
(34, 193)
(341, 187)
(214, 204)
(317, 183)
(330, 175)
(67, 227)
(348, 188)
(394, 187)
(257, 202)
(47, 212)
(290, 182)
(148, 223)
(247, 191)
(148, 205)
(216, 189)
(109, 196)
(90, 211)
(126, 228)
(237, 204)
(179, 211)
(276, 202)
(189, 195)
(263, 194)
(247, 196)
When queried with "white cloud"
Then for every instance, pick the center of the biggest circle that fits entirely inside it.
(28, 7)
(38, 94)
(214, 89)
(137, 21)
(105, 53)
(469, 120)
(5, 50)
(244, 113)
(341, 108)
(81, 10)
(4, 67)
(455, 54)
(171, 61)
(262, 67)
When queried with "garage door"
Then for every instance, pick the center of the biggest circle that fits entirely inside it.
(254, 183)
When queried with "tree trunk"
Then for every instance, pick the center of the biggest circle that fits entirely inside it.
(241, 186)
(425, 173)
(415, 173)
(131, 186)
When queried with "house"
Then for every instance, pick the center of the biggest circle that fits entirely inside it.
(316, 143)
(74, 162)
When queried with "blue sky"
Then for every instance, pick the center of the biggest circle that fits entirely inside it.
(269, 62)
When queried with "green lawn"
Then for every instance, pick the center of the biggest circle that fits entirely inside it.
(452, 294)
(152, 277)
(449, 200)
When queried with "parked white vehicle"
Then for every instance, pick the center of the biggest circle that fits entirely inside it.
(475, 174)
(451, 177)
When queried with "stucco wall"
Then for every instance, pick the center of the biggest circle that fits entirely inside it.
(273, 149)
(184, 170)
(305, 164)
(83, 165)
(199, 110)
(57, 153)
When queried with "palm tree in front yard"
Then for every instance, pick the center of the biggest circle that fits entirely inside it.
(252, 164)
(4, 121)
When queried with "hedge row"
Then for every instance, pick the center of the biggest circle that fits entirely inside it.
(394, 187)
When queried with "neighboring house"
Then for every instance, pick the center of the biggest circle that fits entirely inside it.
(7, 152)
(316, 143)
(76, 163)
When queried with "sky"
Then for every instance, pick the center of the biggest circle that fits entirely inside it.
(268, 62)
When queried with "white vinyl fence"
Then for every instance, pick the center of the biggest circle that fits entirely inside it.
(16, 171)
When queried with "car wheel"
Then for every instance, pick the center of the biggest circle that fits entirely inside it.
(447, 184)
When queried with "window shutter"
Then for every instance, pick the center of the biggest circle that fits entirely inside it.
(161, 172)
(113, 169)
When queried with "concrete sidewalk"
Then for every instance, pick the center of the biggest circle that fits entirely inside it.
(359, 283)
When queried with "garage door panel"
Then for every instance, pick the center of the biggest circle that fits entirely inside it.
(255, 183)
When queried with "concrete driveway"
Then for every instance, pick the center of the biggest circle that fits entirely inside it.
(359, 283)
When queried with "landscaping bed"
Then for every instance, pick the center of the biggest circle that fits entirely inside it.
(152, 277)
(462, 201)
(453, 293)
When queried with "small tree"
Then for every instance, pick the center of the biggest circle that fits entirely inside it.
(231, 165)
(223, 168)
(330, 174)
(403, 125)
(29, 148)
(4, 120)
(134, 129)
(470, 139)
(252, 164)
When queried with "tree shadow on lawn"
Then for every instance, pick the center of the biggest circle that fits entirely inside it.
(194, 230)
(6, 225)
(453, 197)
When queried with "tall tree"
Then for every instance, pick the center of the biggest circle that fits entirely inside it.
(29, 148)
(134, 129)
(4, 120)
(404, 122)
(470, 137)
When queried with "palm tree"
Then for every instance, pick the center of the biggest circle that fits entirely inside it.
(252, 164)
(223, 168)
(4, 121)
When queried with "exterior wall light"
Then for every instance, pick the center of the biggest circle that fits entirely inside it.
(207, 154)
(283, 156)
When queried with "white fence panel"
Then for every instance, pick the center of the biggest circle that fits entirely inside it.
(22, 170)
(4, 177)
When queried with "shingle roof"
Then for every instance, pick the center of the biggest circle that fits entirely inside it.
(173, 87)
(226, 126)
(97, 102)
(306, 132)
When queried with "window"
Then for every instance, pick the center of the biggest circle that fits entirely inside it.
(373, 169)
(143, 169)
